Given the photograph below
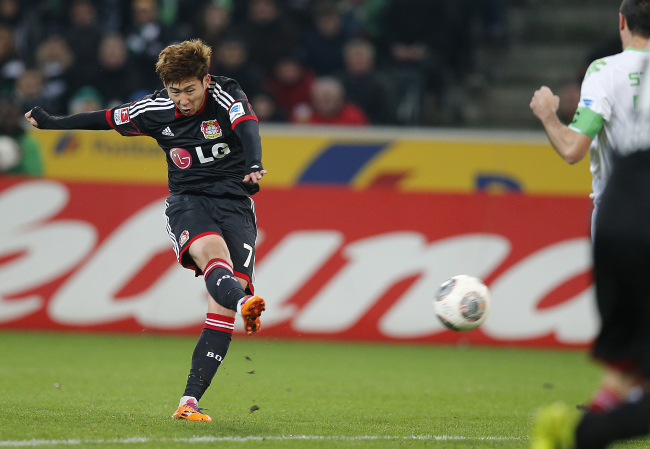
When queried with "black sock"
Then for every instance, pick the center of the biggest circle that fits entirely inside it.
(628, 420)
(209, 352)
(222, 284)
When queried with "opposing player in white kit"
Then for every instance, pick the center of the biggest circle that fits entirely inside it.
(601, 124)
(607, 100)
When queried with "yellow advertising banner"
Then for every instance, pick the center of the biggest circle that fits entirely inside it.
(101, 156)
(408, 160)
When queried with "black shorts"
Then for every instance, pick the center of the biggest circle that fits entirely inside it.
(622, 266)
(233, 218)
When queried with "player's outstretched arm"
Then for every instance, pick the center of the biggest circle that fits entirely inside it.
(95, 120)
(571, 145)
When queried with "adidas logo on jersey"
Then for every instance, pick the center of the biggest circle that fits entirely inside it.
(168, 132)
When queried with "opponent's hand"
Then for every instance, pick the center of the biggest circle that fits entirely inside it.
(255, 176)
(544, 103)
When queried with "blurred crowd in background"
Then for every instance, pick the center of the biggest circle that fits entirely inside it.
(350, 62)
(384, 57)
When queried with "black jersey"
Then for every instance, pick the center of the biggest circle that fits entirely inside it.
(204, 155)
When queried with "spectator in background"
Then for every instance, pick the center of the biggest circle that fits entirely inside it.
(24, 17)
(19, 153)
(365, 19)
(416, 32)
(29, 90)
(20, 18)
(367, 87)
(145, 39)
(10, 132)
(86, 99)
(290, 85)
(214, 23)
(323, 47)
(266, 109)
(270, 36)
(329, 106)
(569, 98)
(83, 36)
(475, 24)
(11, 67)
(418, 36)
(55, 61)
(232, 61)
(300, 14)
(114, 64)
(10, 12)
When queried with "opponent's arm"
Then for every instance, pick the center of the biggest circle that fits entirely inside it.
(95, 120)
(571, 145)
(248, 132)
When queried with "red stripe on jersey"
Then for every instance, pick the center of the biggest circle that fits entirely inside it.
(247, 278)
(109, 113)
(243, 118)
(216, 263)
(108, 119)
(220, 322)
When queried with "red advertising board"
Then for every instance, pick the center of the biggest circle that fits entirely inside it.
(332, 263)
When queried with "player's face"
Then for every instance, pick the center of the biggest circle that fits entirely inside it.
(189, 94)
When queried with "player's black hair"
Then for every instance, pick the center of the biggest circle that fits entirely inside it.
(189, 59)
(637, 15)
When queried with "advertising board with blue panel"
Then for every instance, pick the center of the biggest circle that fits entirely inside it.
(459, 161)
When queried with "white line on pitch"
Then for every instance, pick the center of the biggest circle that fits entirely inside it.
(212, 439)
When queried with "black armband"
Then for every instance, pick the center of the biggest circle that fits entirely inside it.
(95, 120)
(248, 132)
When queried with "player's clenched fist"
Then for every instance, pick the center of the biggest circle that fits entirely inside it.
(30, 119)
(544, 103)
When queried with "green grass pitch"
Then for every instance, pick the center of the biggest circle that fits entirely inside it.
(108, 391)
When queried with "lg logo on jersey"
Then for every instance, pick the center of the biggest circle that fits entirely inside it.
(183, 159)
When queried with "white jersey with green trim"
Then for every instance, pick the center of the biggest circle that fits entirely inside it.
(610, 89)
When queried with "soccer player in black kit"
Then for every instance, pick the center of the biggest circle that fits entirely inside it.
(210, 136)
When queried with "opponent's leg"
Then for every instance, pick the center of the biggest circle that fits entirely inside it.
(559, 426)
(627, 420)
(613, 390)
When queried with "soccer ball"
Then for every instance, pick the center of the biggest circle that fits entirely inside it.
(462, 303)
(9, 153)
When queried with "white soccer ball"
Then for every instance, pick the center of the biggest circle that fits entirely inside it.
(462, 303)
(9, 153)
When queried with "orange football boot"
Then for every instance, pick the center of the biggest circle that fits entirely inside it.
(191, 412)
(250, 308)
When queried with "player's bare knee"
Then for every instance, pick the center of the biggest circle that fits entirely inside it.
(207, 248)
